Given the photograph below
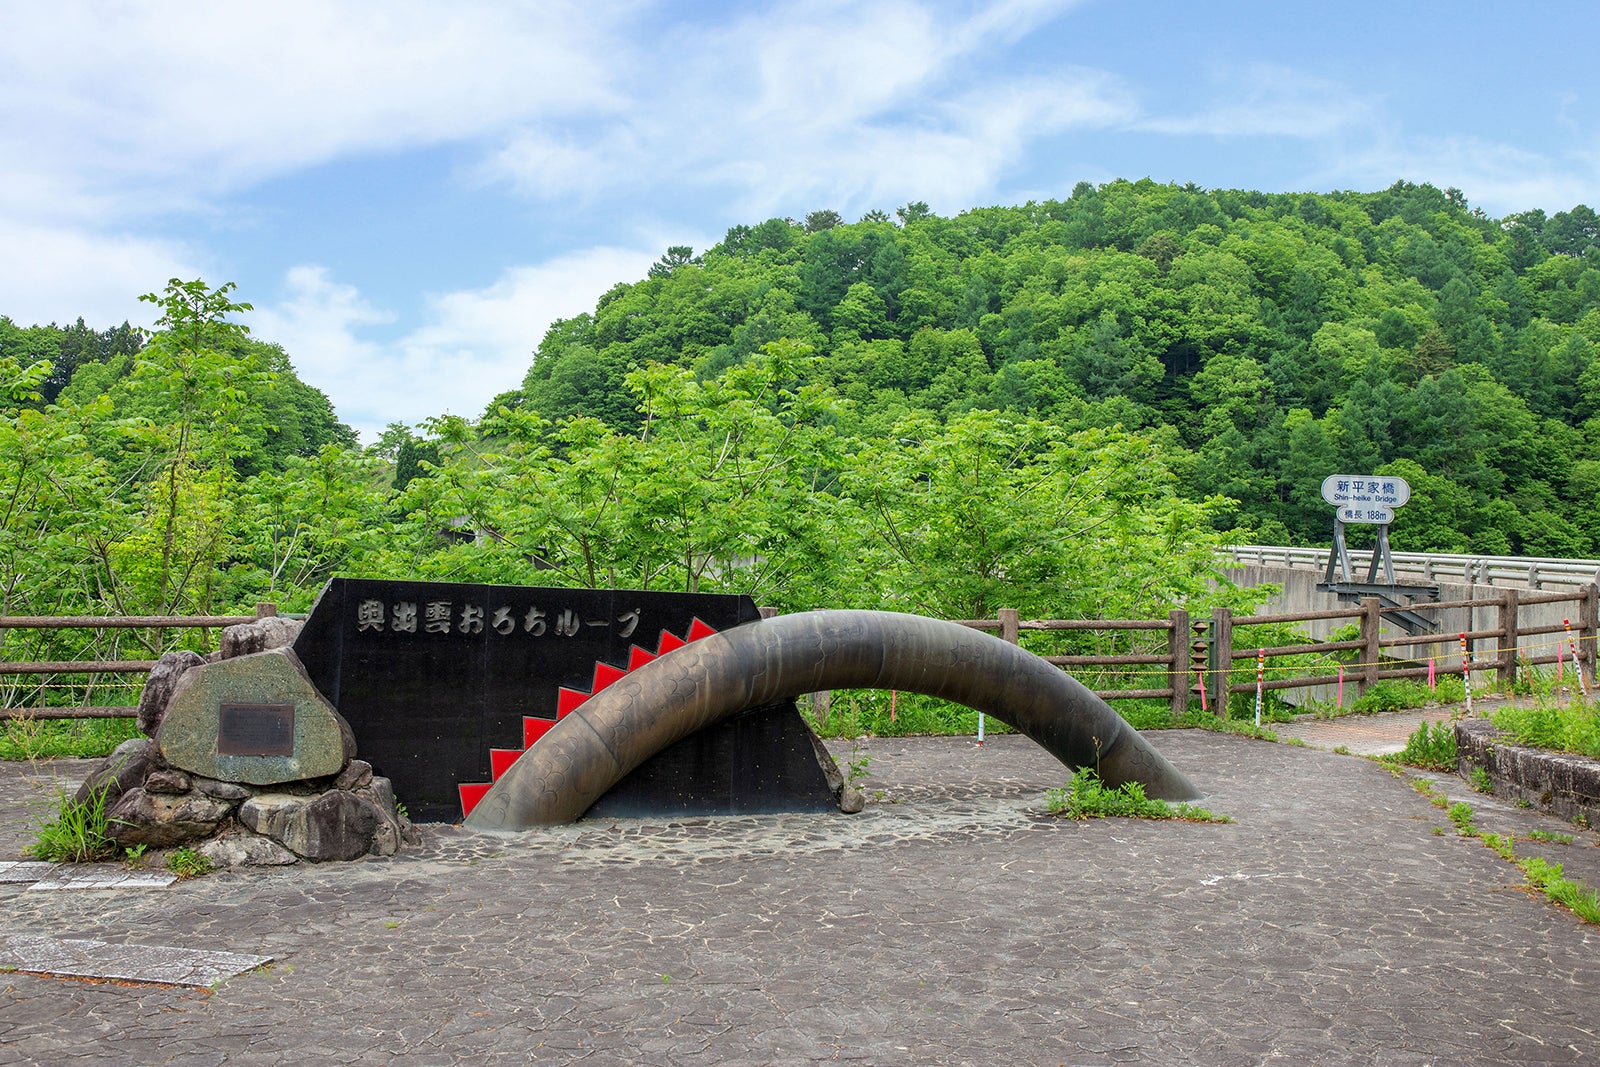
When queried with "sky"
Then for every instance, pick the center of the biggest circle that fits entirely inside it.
(410, 192)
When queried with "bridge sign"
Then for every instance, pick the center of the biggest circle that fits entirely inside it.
(1365, 492)
(1374, 516)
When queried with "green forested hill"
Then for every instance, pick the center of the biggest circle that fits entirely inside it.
(1268, 338)
(1062, 407)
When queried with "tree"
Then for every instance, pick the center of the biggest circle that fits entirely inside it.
(676, 256)
(824, 219)
(915, 211)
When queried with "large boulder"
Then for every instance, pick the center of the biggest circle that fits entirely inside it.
(158, 687)
(256, 719)
(241, 848)
(248, 638)
(334, 826)
(161, 820)
(121, 771)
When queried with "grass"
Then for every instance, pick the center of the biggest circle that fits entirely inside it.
(77, 833)
(29, 738)
(1087, 797)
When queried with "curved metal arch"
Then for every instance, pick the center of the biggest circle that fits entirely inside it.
(691, 688)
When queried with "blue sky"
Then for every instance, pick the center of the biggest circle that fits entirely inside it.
(410, 192)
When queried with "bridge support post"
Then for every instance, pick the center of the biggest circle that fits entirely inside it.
(1372, 648)
(1508, 639)
(1178, 669)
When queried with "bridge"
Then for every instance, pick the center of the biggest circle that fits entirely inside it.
(1299, 572)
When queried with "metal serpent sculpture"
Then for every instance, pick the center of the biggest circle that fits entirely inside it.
(591, 749)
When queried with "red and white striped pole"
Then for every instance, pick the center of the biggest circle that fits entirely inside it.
(1200, 673)
(1261, 672)
(1466, 672)
(1577, 665)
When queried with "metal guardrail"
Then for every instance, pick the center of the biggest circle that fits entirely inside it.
(1525, 571)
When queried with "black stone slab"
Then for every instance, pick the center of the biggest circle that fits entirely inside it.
(255, 730)
(759, 762)
(428, 696)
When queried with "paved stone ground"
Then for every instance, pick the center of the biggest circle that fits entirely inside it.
(1363, 735)
(950, 922)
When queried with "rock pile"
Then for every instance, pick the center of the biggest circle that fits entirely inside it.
(275, 788)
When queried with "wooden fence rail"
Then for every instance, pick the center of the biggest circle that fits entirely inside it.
(103, 622)
(1187, 655)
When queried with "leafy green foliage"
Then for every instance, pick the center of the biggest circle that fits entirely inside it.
(1087, 797)
(1431, 747)
(185, 862)
(1572, 727)
(33, 738)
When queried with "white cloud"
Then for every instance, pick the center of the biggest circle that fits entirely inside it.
(153, 104)
(836, 105)
(56, 274)
(471, 345)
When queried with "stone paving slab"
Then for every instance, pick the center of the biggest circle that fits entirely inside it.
(1337, 920)
(101, 876)
(24, 871)
(1380, 734)
(80, 958)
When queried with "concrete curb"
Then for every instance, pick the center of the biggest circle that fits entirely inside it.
(1557, 783)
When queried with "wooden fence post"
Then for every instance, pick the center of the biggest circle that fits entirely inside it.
(266, 611)
(1178, 669)
(1589, 626)
(1372, 647)
(1508, 638)
(1008, 625)
(1219, 661)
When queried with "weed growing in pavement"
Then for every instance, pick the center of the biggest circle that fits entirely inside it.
(855, 768)
(77, 833)
(187, 863)
(133, 858)
(1502, 845)
(1087, 797)
(1481, 781)
(1580, 899)
(1431, 747)
(1341, 750)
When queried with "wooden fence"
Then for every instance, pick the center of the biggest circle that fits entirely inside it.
(1184, 654)
(99, 667)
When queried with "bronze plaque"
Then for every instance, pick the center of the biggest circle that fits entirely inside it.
(255, 730)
